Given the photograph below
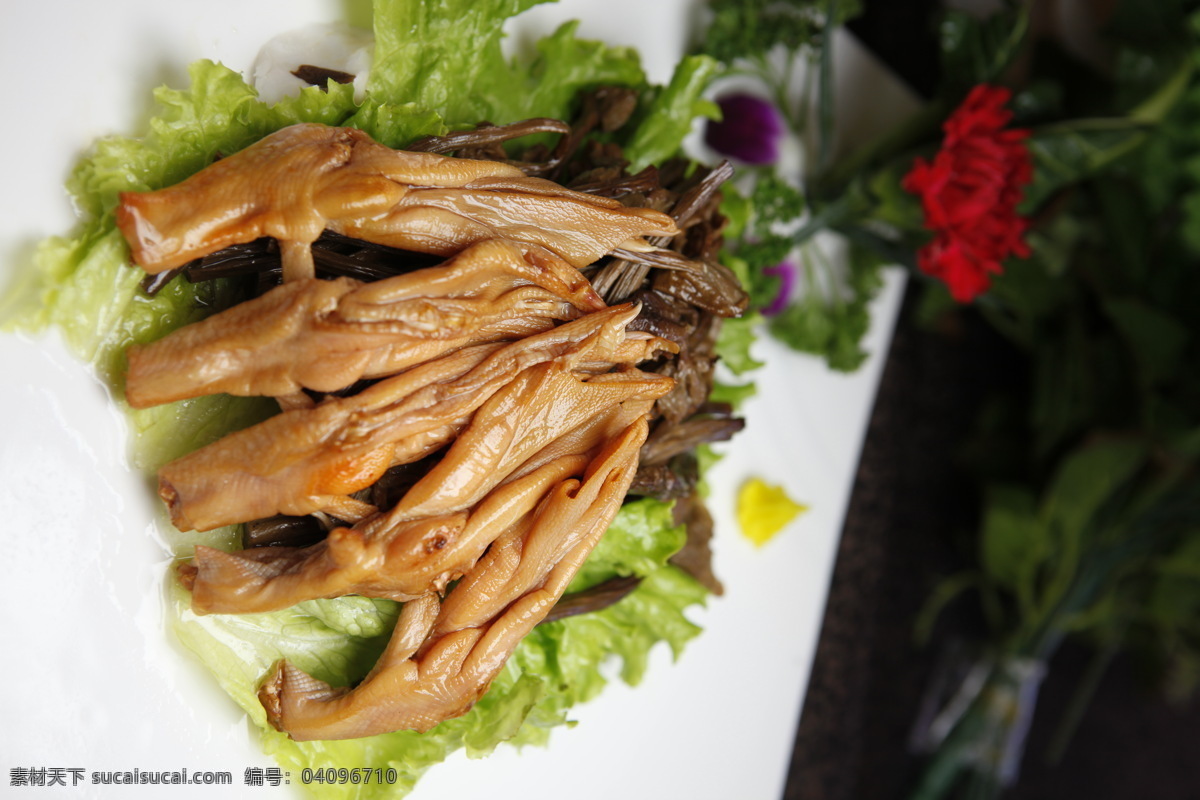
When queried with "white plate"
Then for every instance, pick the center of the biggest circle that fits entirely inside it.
(90, 680)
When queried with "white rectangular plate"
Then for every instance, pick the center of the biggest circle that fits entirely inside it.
(90, 679)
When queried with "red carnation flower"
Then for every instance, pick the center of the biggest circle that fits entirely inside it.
(970, 194)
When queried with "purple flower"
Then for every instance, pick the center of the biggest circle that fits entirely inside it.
(749, 131)
(786, 272)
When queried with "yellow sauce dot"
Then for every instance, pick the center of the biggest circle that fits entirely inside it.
(764, 510)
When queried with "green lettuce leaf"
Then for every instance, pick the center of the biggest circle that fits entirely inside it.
(666, 119)
(443, 56)
(447, 56)
(735, 341)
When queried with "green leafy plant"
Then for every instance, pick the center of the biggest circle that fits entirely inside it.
(1090, 521)
(784, 49)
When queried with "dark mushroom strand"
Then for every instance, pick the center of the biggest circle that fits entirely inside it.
(594, 598)
(320, 76)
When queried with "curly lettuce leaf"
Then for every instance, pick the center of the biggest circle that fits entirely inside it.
(666, 119)
(448, 56)
(442, 55)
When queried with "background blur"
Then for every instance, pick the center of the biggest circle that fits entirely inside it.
(910, 522)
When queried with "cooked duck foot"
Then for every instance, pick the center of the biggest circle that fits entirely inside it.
(326, 335)
(376, 558)
(302, 461)
(298, 181)
(419, 681)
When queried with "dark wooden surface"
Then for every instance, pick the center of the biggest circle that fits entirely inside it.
(911, 520)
